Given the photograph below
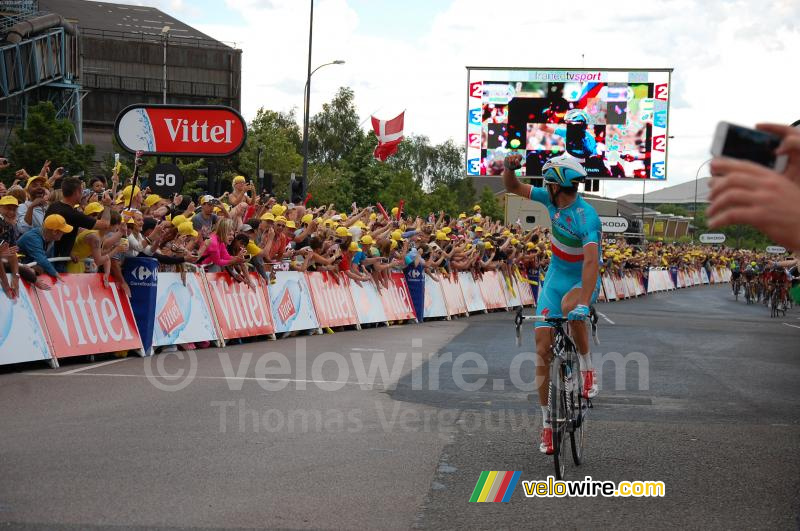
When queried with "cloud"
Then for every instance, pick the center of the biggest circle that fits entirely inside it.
(733, 60)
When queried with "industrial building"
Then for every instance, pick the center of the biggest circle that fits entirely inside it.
(93, 59)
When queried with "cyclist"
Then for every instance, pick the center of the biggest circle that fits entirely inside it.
(736, 274)
(750, 273)
(573, 280)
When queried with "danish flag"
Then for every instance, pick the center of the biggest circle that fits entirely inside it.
(390, 134)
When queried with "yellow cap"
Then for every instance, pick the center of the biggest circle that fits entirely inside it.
(280, 219)
(151, 200)
(396, 235)
(488, 245)
(367, 239)
(476, 218)
(354, 247)
(514, 241)
(506, 232)
(342, 232)
(478, 229)
(441, 236)
(373, 216)
(393, 245)
(476, 208)
(187, 229)
(361, 225)
(126, 194)
(447, 230)
(239, 179)
(395, 210)
(177, 220)
(290, 223)
(463, 215)
(277, 210)
(343, 216)
(268, 216)
(530, 245)
(31, 179)
(93, 208)
(56, 222)
(307, 219)
(8, 200)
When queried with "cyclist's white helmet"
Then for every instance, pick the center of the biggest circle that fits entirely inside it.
(577, 116)
(564, 171)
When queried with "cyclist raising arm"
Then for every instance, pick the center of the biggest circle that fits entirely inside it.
(573, 280)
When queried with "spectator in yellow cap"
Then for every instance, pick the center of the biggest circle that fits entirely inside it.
(125, 197)
(206, 219)
(30, 214)
(33, 244)
(240, 191)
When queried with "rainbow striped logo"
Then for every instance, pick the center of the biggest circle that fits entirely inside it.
(495, 486)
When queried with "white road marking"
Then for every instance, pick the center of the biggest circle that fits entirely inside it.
(93, 366)
(250, 378)
(793, 326)
(368, 349)
(604, 317)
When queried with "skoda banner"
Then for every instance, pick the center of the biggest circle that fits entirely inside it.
(614, 224)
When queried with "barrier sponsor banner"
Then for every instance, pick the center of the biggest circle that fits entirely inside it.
(183, 313)
(471, 292)
(513, 299)
(22, 338)
(619, 287)
(330, 293)
(609, 288)
(415, 283)
(84, 317)
(240, 310)
(290, 301)
(491, 290)
(453, 298)
(526, 293)
(396, 299)
(141, 274)
(434, 299)
(704, 275)
(368, 303)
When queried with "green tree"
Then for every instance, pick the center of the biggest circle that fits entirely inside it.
(490, 206)
(334, 132)
(672, 209)
(46, 137)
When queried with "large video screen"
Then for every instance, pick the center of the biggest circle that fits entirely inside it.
(613, 121)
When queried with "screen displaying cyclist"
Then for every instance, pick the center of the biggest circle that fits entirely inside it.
(573, 280)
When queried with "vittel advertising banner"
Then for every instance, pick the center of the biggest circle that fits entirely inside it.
(21, 337)
(290, 299)
(181, 130)
(241, 310)
(182, 311)
(84, 317)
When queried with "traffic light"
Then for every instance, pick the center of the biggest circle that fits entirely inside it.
(267, 185)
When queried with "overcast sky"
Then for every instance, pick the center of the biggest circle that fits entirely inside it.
(733, 60)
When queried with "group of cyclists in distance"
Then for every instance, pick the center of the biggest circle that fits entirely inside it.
(765, 279)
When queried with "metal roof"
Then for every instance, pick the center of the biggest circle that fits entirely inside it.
(128, 22)
(680, 194)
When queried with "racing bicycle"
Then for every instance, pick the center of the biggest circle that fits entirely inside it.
(566, 405)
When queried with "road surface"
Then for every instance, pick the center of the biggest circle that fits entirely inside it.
(309, 433)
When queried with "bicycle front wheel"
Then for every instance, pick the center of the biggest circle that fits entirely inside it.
(576, 436)
(558, 416)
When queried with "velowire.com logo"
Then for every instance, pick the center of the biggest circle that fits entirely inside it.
(494, 486)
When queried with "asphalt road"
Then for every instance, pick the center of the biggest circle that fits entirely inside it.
(697, 391)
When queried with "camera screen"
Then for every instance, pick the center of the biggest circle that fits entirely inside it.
(749, 144)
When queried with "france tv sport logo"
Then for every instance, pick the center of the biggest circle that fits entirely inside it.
(494, 486)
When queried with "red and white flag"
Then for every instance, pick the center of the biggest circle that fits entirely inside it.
(390, 134)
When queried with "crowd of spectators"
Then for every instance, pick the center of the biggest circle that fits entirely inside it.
(96, 225)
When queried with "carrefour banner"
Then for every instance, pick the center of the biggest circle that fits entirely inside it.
(290, 299)
(182, 312)
(21, 336)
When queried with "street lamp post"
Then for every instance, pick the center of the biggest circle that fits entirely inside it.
(259, 172)
(306, 117)
(164, 39)
(696, 176)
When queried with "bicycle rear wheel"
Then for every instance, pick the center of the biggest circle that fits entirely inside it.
(558, 416)
(577, 434)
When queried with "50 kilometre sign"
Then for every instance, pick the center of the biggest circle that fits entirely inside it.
(181, 130)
